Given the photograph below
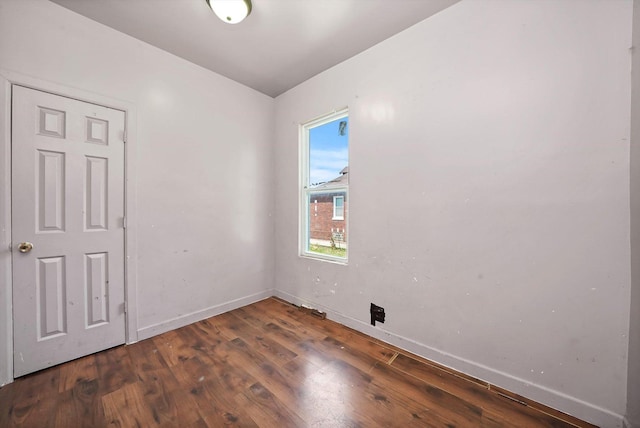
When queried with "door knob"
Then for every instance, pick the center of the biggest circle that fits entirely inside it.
(25, 247)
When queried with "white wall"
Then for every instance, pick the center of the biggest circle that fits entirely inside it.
(489, 201)
(489, 187)
(204, 160)
(633, 382)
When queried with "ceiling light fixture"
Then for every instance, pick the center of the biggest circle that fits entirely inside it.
(230, 11)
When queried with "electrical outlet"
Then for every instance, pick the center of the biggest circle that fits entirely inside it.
(377, 314)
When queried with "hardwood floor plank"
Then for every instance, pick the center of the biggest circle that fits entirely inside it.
(472, 392)
(352, 355)
(272, 312)
(218, 358)
(125, 407)
(76, 371)
(256, 338)
(81, 402)
(172, 348)
(208, 394)
(145, 357)
(204, 334)
(240, 418)
(227, 324)
(323, 395)
(220, 407)
(572, 420)
(200, 423)
(35, 399)
(266, 410)
(448, 406)
(199, 340)
(422, 360)
(253, 316)
(301, 344)
(334, 330)
(264, 365)
(342, 395)
(7, 396)
(114, 369)
(264, 371)
(157, 387)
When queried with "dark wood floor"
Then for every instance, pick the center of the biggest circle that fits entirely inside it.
(264, 365)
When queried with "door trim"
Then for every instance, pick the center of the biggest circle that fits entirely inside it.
(7, 80)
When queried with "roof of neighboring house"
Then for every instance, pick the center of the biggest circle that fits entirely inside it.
(341, 180)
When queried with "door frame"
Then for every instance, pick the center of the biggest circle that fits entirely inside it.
(7, 80)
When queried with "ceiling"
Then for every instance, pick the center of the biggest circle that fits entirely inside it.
(280, 44)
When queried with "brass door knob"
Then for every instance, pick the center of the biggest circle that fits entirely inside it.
(25, 247)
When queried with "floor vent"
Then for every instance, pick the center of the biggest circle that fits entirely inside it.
(312, 311)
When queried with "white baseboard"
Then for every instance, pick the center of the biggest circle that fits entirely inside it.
(555, 399)
(182, 320)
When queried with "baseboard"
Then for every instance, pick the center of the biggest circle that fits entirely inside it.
(182, 320)
(554, 399)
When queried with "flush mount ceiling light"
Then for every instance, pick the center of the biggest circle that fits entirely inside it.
(230, 11)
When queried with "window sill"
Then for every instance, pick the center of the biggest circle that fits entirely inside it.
(321, 258)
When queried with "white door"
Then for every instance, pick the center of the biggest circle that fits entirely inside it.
(68, 203)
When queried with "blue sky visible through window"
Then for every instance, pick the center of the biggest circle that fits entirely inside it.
(328, 151)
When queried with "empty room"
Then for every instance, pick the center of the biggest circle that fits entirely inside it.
(320, 213)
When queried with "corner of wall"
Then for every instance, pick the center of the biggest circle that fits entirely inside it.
(632, 418)
(271, 251)
(199, 315)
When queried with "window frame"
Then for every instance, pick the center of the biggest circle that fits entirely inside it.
(336, 217)
(306, 194)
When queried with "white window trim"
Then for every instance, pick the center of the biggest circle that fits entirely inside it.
(305, 193)
(335, 217)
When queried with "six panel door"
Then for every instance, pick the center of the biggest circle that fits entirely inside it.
(68, 204)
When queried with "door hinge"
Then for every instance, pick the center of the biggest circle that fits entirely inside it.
(124, 136)
(124, 222)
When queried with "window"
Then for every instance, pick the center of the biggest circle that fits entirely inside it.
(324, 184)
(338, 208)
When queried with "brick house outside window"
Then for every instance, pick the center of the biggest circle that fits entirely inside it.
(328, 213)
